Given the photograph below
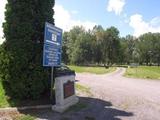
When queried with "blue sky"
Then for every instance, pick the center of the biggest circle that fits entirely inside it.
(133, 17)
(129, 16)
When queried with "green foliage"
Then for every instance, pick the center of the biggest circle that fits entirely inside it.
(128, 49)
(21, 54)
(65, 55)
(149, 48)
(94, 46)
(111, 45)
(76, 38)
(99, 46)
(25, 117)
(83, 89)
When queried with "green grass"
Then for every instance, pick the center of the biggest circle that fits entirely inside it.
(3, 98)
(25, 117)
(147, 72)
(95, 70)
(82, 88)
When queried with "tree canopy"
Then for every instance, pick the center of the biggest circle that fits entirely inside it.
(100, 46)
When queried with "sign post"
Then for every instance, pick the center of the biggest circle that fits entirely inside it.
(52, 49)
(51, 92)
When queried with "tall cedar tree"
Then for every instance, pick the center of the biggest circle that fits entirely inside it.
(22, 72)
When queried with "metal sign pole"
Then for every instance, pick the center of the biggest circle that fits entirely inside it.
(52, 50)
(51, 94)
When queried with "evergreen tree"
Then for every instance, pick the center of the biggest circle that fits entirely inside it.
(22, 71)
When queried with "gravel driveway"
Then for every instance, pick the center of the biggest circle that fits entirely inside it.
(137, 96)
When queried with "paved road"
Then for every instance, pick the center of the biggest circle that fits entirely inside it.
(138, 96)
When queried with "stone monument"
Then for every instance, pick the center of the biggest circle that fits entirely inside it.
(64, 93)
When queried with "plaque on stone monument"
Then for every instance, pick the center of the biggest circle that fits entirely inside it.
(68, 89)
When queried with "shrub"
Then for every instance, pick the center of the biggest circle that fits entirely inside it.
(21, 54)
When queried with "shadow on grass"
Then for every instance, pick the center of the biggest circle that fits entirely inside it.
(92, 109)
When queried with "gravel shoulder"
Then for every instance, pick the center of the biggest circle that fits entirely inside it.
(139, 96)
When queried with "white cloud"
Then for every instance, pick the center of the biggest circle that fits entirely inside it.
(63, 19)
(140, 26)
(2, 9)
(116, 6)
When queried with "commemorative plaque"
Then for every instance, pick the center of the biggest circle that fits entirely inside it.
(68, 89)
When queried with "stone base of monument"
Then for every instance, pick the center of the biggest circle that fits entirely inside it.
(64, 93)
(62, 108)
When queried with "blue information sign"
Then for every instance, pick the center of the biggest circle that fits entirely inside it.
(52, 45)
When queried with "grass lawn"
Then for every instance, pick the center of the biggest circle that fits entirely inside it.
(96, 70)
(3, 98)
(82, 88)
(24, 117)
(149, 72)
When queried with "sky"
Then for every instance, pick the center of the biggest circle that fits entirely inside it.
(133, 17)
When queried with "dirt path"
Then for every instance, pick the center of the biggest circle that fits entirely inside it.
(138, 96)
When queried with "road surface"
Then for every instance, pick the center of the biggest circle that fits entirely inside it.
(137, 96)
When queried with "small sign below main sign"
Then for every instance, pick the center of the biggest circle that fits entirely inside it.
(52, 45)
